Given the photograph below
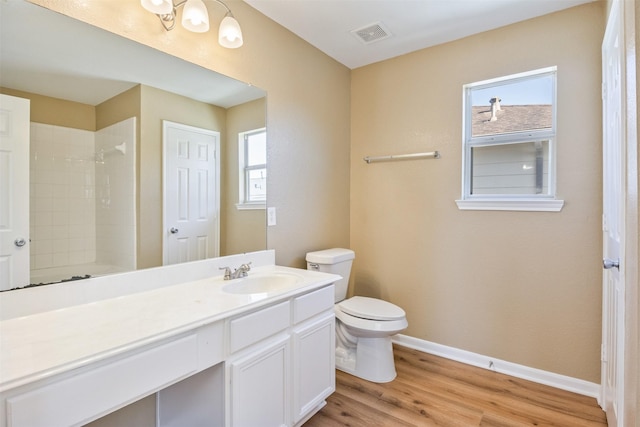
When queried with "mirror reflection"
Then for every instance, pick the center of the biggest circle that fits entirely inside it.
(136, 159)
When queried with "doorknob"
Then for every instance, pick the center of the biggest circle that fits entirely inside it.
(609, 263)
(20, 242)
(173, 230)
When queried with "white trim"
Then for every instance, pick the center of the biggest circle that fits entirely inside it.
(540, 205)
(562, 382)
(250, 206)
(243, 191)
(469, 142)
(512, 77)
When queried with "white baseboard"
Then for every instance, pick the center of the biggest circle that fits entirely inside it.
(562, 382)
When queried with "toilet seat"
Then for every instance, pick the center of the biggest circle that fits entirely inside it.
(367, 328)
(371, 309)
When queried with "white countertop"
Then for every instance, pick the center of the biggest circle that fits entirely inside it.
(43, 344)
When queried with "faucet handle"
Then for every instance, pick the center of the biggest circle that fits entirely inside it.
(227, 272)
(247, 266)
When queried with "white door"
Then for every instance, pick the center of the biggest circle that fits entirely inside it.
(613, 224)
(14, 192)
(191, 196)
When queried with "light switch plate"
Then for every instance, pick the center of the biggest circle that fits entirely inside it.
(271, 216)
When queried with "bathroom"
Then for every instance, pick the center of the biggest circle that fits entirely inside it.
(521, 286)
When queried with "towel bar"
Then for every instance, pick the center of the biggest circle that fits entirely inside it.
(415, 156)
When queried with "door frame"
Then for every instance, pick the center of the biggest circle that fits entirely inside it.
(216, 243)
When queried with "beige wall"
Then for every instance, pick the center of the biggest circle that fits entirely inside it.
(58, 112)
(156, 106)
(119, 108)
(519, 286)
(241, 230)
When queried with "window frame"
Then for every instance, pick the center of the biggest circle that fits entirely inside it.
(244, 170)
(518, 202)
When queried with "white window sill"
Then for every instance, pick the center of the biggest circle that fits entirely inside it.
(250, 206)
(539, 205)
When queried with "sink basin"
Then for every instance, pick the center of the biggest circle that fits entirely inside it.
(262, 283)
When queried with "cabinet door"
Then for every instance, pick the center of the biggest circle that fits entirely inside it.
(259, 385)
(314, 373)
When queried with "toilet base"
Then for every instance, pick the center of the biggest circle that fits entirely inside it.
(370, 359)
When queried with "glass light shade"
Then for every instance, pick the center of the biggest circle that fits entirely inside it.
(159, 7)
(195, 16)
(230, 34)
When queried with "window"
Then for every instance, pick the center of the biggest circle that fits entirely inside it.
(509, 143)
(252, 155)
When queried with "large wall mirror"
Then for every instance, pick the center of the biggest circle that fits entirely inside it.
(130, 150)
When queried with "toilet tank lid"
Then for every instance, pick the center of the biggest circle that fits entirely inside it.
(331, 256)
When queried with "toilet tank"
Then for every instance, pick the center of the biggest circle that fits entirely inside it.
(335, 261)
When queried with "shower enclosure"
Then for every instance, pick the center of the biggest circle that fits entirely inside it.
(82, 201)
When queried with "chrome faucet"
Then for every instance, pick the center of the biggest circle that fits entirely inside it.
(237, 273)
(241, 271)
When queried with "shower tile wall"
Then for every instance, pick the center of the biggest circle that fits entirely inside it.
(115, 195)
(82, 196)
(62, 196)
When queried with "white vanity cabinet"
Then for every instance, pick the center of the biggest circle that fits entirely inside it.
(259, 368)
(314, 377)
(211, 358)
(282, 365)
(87, 393)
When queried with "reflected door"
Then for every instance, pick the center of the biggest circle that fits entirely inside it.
(613, 224)
(191, 193)
(14, 192)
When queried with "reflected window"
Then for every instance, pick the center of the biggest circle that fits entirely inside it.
(252, 155)
(509, 140)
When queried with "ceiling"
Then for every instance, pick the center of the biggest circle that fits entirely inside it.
(412, 24)
(33, 39)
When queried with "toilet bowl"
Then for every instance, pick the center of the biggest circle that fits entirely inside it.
(363, 337)
(364, 326)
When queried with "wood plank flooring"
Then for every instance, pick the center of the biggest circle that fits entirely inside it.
(432, 391)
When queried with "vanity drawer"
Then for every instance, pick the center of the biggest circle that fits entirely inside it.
(307, 306)
(251, 328)
(81, 398)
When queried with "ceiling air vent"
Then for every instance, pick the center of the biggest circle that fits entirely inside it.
(371, 33)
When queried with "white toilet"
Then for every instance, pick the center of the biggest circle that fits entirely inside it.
(364, 326)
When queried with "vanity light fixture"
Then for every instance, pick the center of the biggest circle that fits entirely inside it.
(195, 18)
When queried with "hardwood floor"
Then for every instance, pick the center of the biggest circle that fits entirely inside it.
(430, 390)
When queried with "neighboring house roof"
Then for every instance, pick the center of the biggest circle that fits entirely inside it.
(510, 118)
